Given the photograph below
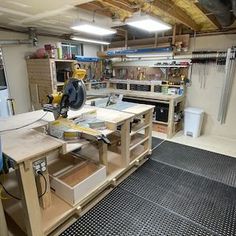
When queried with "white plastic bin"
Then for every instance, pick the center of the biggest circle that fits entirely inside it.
(193, 118)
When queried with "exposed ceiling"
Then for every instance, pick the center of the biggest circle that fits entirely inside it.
(57, 16)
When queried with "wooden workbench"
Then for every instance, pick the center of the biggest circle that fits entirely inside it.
(141, 96)
(26, 145)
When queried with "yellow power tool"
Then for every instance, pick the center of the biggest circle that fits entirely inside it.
(73, 95)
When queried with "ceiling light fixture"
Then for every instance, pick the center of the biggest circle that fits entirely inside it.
(148, 23)
(89, 40)
(91, 28)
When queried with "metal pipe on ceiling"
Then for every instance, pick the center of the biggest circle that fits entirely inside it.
(33, 39)
(221, 9)
(234, 7)
(14, 42)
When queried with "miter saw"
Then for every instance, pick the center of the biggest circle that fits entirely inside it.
(73, 96)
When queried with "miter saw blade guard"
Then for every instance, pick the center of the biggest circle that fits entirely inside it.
(75, 91)
(73, 97)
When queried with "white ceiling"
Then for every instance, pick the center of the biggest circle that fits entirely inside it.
(48, 16)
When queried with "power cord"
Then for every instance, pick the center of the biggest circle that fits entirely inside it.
(45, 184)
(11, 195)
(18, 198)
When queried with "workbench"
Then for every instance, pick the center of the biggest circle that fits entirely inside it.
(147, 97)
(42, 216)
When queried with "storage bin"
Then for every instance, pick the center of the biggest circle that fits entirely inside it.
(193, 118)
(162, 112)
(73, 180)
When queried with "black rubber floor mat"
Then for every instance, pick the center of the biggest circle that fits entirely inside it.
(158, 199)
(201, 162)
(208, 203)
(122, 213)
(156, 142)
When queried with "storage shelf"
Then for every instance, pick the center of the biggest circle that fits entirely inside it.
(60, 84)
(138, 153)
(160, 122)
(171, 66)
(138, 129)
(52, 217)
(137, 142)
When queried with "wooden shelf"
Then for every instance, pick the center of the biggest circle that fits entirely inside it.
(137, 140)
(160, 122)
(60, 84)
(171, 66)
(137, 153)
(138, 128)
(58, 212)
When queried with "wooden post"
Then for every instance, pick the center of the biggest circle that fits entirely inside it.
(125, 143)
(33, 218)
(170, 130)
(102, 147)
(174, 34)
(148, 131)
(3, 224)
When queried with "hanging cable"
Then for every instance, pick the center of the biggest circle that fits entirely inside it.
(8, 193)
(45, 184)
(18, 198)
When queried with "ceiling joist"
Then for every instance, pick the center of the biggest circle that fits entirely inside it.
(117, 9)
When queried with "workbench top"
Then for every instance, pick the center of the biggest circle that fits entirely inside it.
(140, 94)
(27, 143)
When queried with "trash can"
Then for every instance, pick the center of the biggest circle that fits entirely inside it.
(193, 118)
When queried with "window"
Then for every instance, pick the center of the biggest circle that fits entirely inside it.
(69, 49)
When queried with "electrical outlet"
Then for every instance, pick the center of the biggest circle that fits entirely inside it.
(39, 166)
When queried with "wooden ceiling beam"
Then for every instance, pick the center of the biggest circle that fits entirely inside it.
(122, 12)
(123, 5)
(175, 12)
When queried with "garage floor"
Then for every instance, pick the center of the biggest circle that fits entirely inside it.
(179, 191)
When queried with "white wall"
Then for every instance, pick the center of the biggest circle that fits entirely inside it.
(15, 65)
(90, 50)
(208, 98)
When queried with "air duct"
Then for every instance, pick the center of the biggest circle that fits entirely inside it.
(221, 9)
(234, 7)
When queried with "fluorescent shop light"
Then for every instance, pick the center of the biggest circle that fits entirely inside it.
(89, 40)
(93, 29)
(148, 23)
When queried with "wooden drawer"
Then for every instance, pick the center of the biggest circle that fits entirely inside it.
(77, 180)
(160, 128)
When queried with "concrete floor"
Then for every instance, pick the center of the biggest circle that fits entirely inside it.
(212, 143)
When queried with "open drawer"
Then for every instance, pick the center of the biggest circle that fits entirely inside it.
(73, 178)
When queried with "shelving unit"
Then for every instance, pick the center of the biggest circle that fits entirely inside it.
(48, 75)
(43, 78)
